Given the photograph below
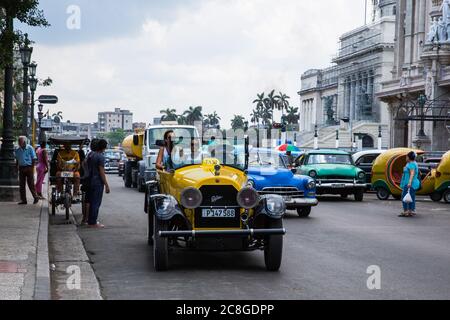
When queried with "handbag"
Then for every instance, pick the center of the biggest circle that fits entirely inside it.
(408, 198)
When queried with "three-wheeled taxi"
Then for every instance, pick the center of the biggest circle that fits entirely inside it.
(388, 170)
(65, 169)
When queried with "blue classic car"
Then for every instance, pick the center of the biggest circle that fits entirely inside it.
(269, 173)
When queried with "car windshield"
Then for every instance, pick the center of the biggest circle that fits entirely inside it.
(113, 155)
(329, 159)
(265, 159)
(183, 135)
(229, 154)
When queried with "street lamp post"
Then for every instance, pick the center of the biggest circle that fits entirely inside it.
(33, 86)
(40, 117)
(9, 184)
(25, 55)
(422, 101)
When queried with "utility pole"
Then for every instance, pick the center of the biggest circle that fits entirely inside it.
(9, 185)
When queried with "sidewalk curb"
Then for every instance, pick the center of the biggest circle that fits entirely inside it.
(42, 289)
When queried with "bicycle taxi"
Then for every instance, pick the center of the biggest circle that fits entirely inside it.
(66, 171)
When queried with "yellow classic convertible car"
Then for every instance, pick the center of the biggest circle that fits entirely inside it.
(204, 202)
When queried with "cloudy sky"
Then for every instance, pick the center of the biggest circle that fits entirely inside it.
(148, 55)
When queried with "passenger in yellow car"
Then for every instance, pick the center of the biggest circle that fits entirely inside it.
(68, 160)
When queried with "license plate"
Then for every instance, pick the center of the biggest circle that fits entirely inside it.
(218, 213)
(338, 185)
(67, 174)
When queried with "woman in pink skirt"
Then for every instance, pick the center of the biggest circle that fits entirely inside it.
(42, 167)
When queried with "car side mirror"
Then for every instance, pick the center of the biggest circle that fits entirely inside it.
(159, 143)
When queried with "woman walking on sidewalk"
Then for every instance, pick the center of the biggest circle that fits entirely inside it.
(410, 184)
(98, 183)
(41, 168)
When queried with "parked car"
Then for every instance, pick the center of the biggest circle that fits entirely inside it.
(269, 173)
(112, 159)
(364, 160)
(334, 172)
(206, 203)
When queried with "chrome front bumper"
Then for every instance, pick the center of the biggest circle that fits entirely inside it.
(341, 185)
(300, 202)
(222, 233)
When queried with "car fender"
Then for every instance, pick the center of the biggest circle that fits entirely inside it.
(168, 213)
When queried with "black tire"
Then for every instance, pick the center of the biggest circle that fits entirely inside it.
(383, 193)
(160, 246)
(359, 195)
(67, 204)
(436, 196)
(304, 212)
(53, 202)
(150, 230)
(273, 251)
(446, 196)
(127, 175)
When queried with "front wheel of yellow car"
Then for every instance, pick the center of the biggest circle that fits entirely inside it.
(273, 251)
(160, 246)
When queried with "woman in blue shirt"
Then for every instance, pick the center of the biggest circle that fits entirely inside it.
(410, 183)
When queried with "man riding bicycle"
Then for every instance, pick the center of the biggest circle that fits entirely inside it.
(68, 160)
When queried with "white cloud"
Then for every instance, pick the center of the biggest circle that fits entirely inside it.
(218, 54)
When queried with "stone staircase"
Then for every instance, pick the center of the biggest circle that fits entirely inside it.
(327, 136)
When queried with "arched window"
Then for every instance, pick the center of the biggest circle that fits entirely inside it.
(367, 142)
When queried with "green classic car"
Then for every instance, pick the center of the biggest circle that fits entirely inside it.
(334, 172)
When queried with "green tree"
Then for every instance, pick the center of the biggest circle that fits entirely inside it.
(238, 122)
(115, 137)
(271, 102)
(181, 120)
(169, 115)
(212, 119)
(193, 114)
(282, 103)
(292, 116)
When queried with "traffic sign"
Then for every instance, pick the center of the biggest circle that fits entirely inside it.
(48, 99)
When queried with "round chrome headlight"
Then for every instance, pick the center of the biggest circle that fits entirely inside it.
(361, 175)
(191, 198)
(275, 205)
(313, 174)
(311, 185)
(248, 198)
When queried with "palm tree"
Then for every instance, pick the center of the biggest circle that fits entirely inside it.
(292, 116)
(266, 115)
(193, 114)
(260, 102)
(255, 116)
(238, 122)
(181, 120)
(271, 101)
(57, 117)
(212, 119)
(169, 114)
(282, 103)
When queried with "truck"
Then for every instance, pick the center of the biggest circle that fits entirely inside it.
(141, 149)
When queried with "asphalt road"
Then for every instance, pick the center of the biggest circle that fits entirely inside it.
(325, 256)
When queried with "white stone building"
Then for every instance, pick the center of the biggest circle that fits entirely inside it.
(343, 97)
(117, 119)
(418, 91)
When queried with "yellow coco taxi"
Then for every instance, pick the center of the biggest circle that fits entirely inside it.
(387, 173)
(205, 203)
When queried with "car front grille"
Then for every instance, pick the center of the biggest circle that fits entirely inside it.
(282, 191)
(335, 179)
(219, 197)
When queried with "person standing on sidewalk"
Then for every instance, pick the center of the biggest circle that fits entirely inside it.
(410, 183)
(42, 167)
(26, 160)
(98, 183)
